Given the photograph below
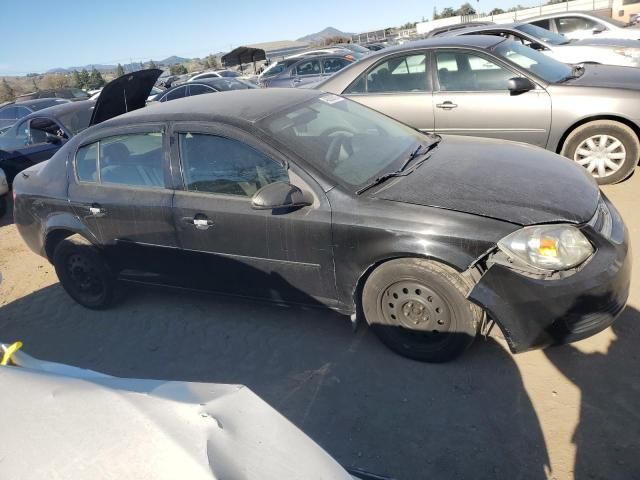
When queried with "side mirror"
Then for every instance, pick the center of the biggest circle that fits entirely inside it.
(280, 195)
(518, 85)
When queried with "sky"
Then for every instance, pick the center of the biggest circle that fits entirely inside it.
(74, 33)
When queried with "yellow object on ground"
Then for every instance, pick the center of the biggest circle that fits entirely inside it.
(9, 351)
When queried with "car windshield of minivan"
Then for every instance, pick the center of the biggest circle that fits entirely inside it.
(346, 141)
(539, 64)
(543, 34)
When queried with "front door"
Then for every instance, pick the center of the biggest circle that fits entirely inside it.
(229, 247)
(398, 86)
(118, 189)
(472, 98)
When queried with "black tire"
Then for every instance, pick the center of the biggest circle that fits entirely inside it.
(418, 308)
(84, 273)
(3, 205)
(630, 148)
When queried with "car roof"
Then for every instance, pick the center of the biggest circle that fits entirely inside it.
(477, 41)
(62, 109)
(564, 13)
(481, 28)
(245, 105)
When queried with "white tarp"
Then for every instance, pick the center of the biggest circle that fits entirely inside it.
(62, 422)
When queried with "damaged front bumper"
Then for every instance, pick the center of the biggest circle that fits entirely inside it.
(535, 312)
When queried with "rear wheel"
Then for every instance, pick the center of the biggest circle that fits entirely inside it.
(418, 309)
(608, 150)
(84, 273)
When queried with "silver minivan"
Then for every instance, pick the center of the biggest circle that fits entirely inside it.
(295, 72)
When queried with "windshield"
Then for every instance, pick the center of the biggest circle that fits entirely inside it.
(543, 34)
(344, 140)
(78, 119)
(278, 67)
(539, 64)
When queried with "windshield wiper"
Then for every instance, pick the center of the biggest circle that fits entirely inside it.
(421, 150)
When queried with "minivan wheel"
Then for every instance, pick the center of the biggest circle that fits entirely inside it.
(608, 150)
(418, 308)
(84, 273)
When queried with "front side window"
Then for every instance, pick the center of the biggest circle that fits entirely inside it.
(466, 72)
(332, 65)
(214, 164)
(179, 92)
(134, 160)
(308, 67)
(573, 24)
(41, 129)
(406, 73)
(342, 139)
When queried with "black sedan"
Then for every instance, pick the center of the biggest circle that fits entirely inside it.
(11, 112)
(206, 85)
(299, 196)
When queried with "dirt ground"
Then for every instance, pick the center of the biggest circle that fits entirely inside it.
(567, 412)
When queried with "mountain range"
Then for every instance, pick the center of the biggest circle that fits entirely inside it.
(172, 60)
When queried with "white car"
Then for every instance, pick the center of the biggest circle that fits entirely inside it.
(215, 74)
(604, 51)
(580, 25)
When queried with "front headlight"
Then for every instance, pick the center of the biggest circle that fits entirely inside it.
(548, 247)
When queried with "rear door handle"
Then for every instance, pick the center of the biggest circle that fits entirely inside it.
(96, 210)
(447, 105)
(200, 221)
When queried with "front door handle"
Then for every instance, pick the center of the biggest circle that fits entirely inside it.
(96, 210)
(200, 221)
(447, 105)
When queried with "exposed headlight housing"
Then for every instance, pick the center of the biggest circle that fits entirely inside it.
(548, 247)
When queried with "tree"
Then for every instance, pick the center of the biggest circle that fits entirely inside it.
(206, 65)
(6, 92)
(95, 79)
(496, 11)
(447, 12)
(466, 9)
(178, 69)
(84, 78)
(119, 71)
(152, 64)
(77, 81)
(213, 61)
(35, 85)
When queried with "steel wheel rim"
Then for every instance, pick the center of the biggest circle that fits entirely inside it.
(601, 155)
(416, 308)
(84, 277)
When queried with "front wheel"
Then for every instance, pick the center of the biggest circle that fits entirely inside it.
(608, 150)
(418, 308)
(84, 273)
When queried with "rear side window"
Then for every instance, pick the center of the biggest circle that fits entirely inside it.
(87, 163)
(542, 24)
(179, 92)
(310, 67)
(131, 160)
(199, 89)
(214, 164)
(406, 73)
(332, 65)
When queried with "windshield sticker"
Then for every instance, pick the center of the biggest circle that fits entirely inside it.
(331, 99)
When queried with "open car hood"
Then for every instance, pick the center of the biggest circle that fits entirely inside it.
(124, 94)
(71, 423)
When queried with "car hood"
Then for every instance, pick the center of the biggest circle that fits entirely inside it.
(124, 94)
(608, 76)
(508, 181)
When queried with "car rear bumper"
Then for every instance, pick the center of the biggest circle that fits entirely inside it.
(534, 312)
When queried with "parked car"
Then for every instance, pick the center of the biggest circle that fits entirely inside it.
(374, 46)
(208, 85)
(301, 71)
(215, 74)
(493, 87)
(69, 93)
(294, 195)
(333, 50)
(580, 25)
(605, 51)
(36, 137)
(358, 51)
(11, 112)
(456, 26)
(155, 92)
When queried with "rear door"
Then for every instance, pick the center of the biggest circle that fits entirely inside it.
(229, 247)
(471, 98)
(118, 186)
(399, 86)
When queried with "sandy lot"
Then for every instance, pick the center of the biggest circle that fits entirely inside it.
(567, 412)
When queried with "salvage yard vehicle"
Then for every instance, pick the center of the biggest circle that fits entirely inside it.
(489, 86)
(11, 112)
(155, 429)
(295, 195)
(603, 51)
(200, 87)
(36, 137)
(580, 25)
(297, 72)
